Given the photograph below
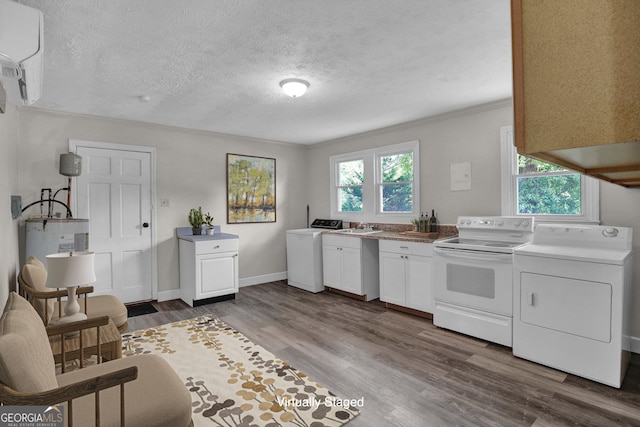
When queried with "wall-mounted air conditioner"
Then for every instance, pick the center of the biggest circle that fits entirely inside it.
(21, 52)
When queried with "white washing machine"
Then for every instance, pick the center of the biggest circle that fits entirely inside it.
(572, 296)
(304, 255)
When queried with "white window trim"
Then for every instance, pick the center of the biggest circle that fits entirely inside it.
(370, 189)
(508, 162)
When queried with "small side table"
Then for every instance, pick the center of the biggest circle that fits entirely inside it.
(110, 344)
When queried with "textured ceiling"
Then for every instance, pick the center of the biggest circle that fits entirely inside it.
(216, 65)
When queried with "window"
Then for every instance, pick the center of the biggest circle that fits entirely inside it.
(350, 181)
(549, 192)
(377, 184)
(396, 183)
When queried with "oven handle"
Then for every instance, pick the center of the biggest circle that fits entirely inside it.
(473, 255)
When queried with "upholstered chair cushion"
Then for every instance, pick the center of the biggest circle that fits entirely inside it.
(35, 261)
(26, 359)
(35, 274)
(157, 398)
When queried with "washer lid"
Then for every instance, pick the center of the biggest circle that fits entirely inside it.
(574, 253)
(308, 231)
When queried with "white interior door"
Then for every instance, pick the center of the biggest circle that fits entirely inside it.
(114, 192)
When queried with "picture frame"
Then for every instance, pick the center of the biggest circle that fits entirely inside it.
(251, 189)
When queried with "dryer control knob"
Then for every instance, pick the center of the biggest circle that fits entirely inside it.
(610, 232)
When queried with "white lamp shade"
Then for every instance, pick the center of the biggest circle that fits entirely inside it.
(70, 269)
(294, 87)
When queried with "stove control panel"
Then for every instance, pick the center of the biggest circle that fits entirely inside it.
(584, 236)
(507, 223)
(329, 224)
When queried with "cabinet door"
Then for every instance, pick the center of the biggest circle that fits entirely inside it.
(331, 266)
(392, 278)
(419, 283)
(351, 271)
(216, 275)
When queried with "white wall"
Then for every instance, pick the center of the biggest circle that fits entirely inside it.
(470, 136)
(8, 186)
(621, 207)
(191, 172)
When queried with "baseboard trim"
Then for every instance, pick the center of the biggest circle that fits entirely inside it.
(168, 295)
(248, 281)
(265, 278)
(635, 345)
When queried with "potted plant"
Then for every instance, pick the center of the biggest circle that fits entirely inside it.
(208, 221)
(197, 219)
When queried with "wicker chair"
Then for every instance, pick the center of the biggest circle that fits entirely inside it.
(49, 303)
(141, 391)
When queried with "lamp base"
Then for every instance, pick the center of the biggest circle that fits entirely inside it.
(72, 311)
(72, 318)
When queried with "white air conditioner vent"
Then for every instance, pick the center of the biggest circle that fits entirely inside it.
(21, 52)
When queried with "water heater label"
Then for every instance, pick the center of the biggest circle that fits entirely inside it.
(77, 242)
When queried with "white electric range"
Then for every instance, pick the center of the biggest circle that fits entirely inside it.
(473, 276)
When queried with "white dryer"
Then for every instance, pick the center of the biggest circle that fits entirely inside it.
(572, 296)
(304, 254)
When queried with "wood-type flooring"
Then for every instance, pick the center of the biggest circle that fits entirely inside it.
(409, 372)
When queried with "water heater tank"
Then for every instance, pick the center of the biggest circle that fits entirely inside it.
(53, 235)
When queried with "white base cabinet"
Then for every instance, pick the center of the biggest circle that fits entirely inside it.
(406, 270)
(350, 264)
(208, 270)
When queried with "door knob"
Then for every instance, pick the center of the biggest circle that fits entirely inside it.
(145, 224)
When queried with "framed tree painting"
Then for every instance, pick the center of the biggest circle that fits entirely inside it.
(251, 189)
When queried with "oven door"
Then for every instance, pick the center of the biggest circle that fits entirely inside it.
(475, 279)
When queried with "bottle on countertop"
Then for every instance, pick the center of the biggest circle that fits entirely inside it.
(433, 222)
(423, 223)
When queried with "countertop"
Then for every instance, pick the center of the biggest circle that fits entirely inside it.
(407, 236)
(185, 233)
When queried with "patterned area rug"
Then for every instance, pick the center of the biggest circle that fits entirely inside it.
(234, 382)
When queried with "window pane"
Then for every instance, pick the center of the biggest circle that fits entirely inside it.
(529, 165)
(550, 195)
(397, 198)
(351, 173)
(350, 199)
(397, 168)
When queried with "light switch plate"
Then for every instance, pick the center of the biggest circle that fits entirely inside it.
(460, 176)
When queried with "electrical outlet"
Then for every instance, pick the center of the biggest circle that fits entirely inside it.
(165, 203)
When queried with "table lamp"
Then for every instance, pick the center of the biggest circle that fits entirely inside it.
(70, 270)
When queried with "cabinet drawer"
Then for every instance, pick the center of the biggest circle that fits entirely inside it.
(342, 241)
(403, 247)
(213, 246)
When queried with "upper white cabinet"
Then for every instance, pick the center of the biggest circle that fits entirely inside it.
(405, 274)
(350, 264)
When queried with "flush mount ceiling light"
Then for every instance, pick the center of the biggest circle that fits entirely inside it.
(294, 87)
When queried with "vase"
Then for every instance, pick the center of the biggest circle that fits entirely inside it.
(196, 231)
